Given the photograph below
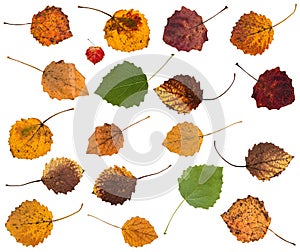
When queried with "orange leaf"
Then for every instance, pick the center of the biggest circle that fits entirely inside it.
(50, 26)
(30, 223)
(247, 219)
(138, 232)
(63, 81)
(106, 140)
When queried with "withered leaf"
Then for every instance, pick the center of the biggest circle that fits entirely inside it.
(63, 81)
(106, 140)
(185, 30)
(273, 89)
(115, 185)
(61, 175)
(247, 219)
(50, 26)
(266, 160)
(138, 232)
(181, 93)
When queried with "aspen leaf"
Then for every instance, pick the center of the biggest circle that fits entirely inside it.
(30, 223)
(136, 231)
(265, 161)
(30, 138)
(125, 85)
(253, 33)
(94, 54)
(116, 184)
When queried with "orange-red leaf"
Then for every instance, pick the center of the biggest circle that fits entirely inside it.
(94, 54)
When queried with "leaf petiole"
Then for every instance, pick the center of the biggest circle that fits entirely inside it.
(25, 63)
(155, 173)
(104, 221)
(172, 55)
(292, 243)
(221, 129)
(286, 17)
(34, 181)
(62, 218)
(172, 216)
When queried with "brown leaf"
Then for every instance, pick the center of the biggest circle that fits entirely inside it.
(115, 185)
(30, 223)
(50, 26)
(106, 140)
(61, 175)
(185, 30)
(247, 219)
(63, 81)
(138, 232)
(273, 89)
(266, 160)
(184, 139)
(181, 93)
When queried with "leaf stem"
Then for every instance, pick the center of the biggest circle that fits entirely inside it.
(225, 159)
(282, 238)
(286, 17)
(90, 8)
(15, 24)
(221, 129)
(91, 42)
(69, 214)
(211, 99)
(226, 7)
(104, 221)
(172, 55)
(135, 123)
(155, 173)
(34, 181)
(237, 64)
(172, 216)
(25, 64)
(57, 114)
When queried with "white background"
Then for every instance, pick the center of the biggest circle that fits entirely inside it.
(192, 229)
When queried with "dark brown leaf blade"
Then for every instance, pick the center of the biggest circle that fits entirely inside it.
(266, 160)
(115, 185)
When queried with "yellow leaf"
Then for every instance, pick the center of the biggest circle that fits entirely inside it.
(30, 223)
(138, 232)
(127, 31)
(184, 139)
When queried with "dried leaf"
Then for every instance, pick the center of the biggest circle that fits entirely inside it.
(50, 26)
(185, 30)
(29, 139)
(61, 175)
(184, 139)
(273, 89)
(30, 223)
(127, 31)
(63, 81)
(181, 93)
(94, 54)
(266, 160)
(247, 219)
(125, 85)
(106, 140)
(138, 232)
(115, 185)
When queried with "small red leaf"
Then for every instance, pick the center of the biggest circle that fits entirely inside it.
(94, 54)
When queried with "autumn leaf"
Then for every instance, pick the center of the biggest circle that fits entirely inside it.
(182, 93)
(248, 220)
(265, 160)
(30, 223)
(49, 26)
(136, 231)
(61, 80)
(30, 138)
(273, 89)
(116, 184)
(200, 186)
(185, 139)
(126, 30)
(108, 139)
(253, 33)
(94, 54)
(185, 30)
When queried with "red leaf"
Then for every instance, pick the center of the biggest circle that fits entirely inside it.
(94, 54)
(273, 90)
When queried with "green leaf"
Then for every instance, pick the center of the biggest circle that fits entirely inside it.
(201, 186)
(125, 85)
